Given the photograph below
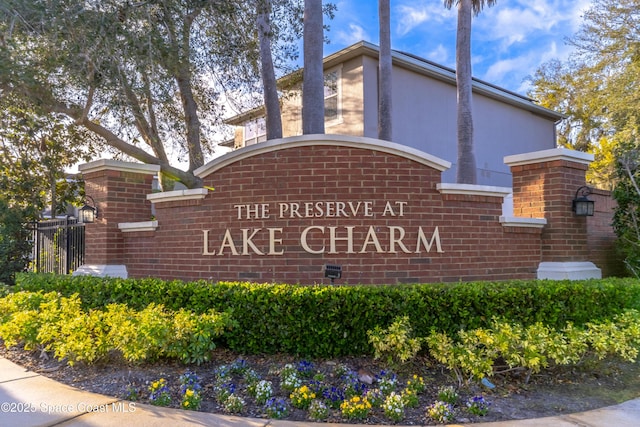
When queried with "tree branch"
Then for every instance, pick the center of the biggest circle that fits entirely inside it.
(148, 133)
(187, 178)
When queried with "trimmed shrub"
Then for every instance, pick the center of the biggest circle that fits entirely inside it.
(330, 321)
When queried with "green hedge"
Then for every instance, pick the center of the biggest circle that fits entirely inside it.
(326, 321)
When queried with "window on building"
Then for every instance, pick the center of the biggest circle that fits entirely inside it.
(255, 131)
(333, 96)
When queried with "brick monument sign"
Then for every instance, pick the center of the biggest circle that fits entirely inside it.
(281, 211)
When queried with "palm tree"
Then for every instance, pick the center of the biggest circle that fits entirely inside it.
(385, 66)
(313, 77)
(466, 170)
(271, 101)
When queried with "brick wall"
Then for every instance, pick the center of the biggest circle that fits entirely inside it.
(474, 244)
(601, 240)
(383, 215)
(119, 190)
(546, 189)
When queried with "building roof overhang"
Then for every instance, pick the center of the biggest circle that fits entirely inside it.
(418, 65)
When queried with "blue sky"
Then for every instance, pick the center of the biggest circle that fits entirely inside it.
(510, 40)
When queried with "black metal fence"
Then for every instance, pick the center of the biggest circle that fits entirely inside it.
(58, 246)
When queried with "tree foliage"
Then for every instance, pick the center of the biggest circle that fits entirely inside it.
(626, 220)
(14, 241)
(152, 79)
(35, 151)
(597, 87)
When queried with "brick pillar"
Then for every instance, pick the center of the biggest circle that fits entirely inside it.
(120, 191)
(544, 186)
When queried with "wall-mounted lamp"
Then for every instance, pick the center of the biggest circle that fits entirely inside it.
(332, 272)
(88, 212)
(582, 206)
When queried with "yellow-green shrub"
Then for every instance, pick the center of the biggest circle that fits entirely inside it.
(619, 337)
(20, 320)
(472, 355)
(60, 325)
(395, 343)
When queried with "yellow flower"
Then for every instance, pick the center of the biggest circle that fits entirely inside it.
(188, 393)
(185, 403)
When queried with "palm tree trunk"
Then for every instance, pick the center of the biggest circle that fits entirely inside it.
(271, 101)
(313, 78)
(385, 70)
(466, 170)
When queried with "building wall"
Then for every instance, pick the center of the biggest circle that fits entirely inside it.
(351, 102)
(283, 210)
(424, 117)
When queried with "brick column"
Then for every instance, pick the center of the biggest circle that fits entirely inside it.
(120, 191)
(544, 186)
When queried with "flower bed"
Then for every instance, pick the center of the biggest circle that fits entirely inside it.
(320, 391)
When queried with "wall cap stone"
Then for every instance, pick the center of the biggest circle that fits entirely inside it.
(110, 164)
(473, 190)
(102, 270)
(512, 221)
(559, 153)
(130, 227)
(178, 195)
(320, 140)
(574, 270)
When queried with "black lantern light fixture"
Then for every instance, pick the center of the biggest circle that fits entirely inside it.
(332, 272)
(88, 212)
(582, 206)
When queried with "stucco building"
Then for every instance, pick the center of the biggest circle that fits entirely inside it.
(424, 111)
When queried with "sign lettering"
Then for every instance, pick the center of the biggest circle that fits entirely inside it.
(318, 239)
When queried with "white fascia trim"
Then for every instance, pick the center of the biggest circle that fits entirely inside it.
(110, 164)
(131, 227)
(178, 195)
(323, 140)
(511, 221)
(473, 190)
(560, 153)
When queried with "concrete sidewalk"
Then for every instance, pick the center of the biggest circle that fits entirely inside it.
(28, 399)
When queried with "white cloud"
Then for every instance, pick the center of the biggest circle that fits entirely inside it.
(519, 21)
(410, 16)
(578, 8)
(510, 39)
(500, 69)
(440, 55)
(353, 34)
(515, 38)
(512, 72)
